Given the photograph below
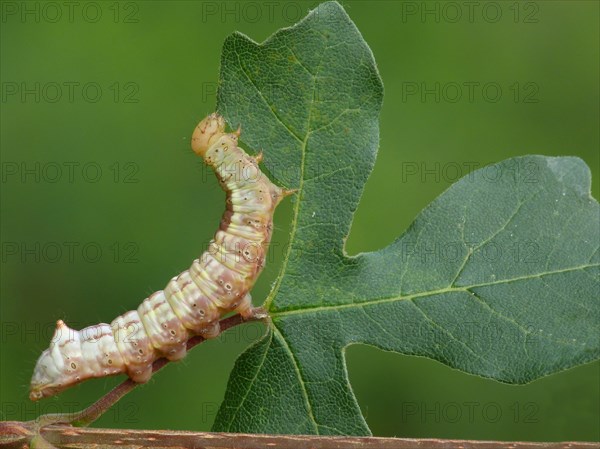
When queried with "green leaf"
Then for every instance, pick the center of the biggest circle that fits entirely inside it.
(498, 277)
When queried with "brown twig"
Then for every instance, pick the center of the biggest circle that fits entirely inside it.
(88, 438)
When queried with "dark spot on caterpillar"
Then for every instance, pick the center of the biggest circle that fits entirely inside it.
(73, 365)
(141, 351)
(172, 332)
(110, 361)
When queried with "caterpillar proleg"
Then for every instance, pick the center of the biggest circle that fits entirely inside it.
(192, 302)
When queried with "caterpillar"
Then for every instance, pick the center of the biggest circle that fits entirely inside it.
(192, 302)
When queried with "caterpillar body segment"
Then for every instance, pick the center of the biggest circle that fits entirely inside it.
(192, 302)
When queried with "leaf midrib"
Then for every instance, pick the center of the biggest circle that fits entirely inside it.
(466, 289)
(252, 381)
(307, 403)
(298, 199)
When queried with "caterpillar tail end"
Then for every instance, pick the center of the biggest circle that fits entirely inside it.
(47, 375)
(74, 356)
(207, 132)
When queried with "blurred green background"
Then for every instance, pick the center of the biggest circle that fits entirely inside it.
(102, 201)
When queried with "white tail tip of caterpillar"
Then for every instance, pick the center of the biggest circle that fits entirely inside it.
(50, 366)
(207, 131)
(42, 383)
(74, 356)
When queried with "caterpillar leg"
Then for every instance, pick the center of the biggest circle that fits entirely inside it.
(247, 311)
(212, 331)
(140, 375)
(245, 307)
(177, 353)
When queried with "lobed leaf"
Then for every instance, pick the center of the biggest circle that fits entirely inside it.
(498, 277)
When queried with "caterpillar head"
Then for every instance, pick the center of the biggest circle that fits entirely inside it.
(56, 369)
(207, 132)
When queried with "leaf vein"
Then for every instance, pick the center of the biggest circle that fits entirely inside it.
(270, 106)
(494, 235)
(450, 334)
(316, 309)
(300, 379)
(239, 406)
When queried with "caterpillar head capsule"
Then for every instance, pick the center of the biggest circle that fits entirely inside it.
(207, 132)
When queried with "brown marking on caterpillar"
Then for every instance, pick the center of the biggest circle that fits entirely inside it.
(192, 302)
